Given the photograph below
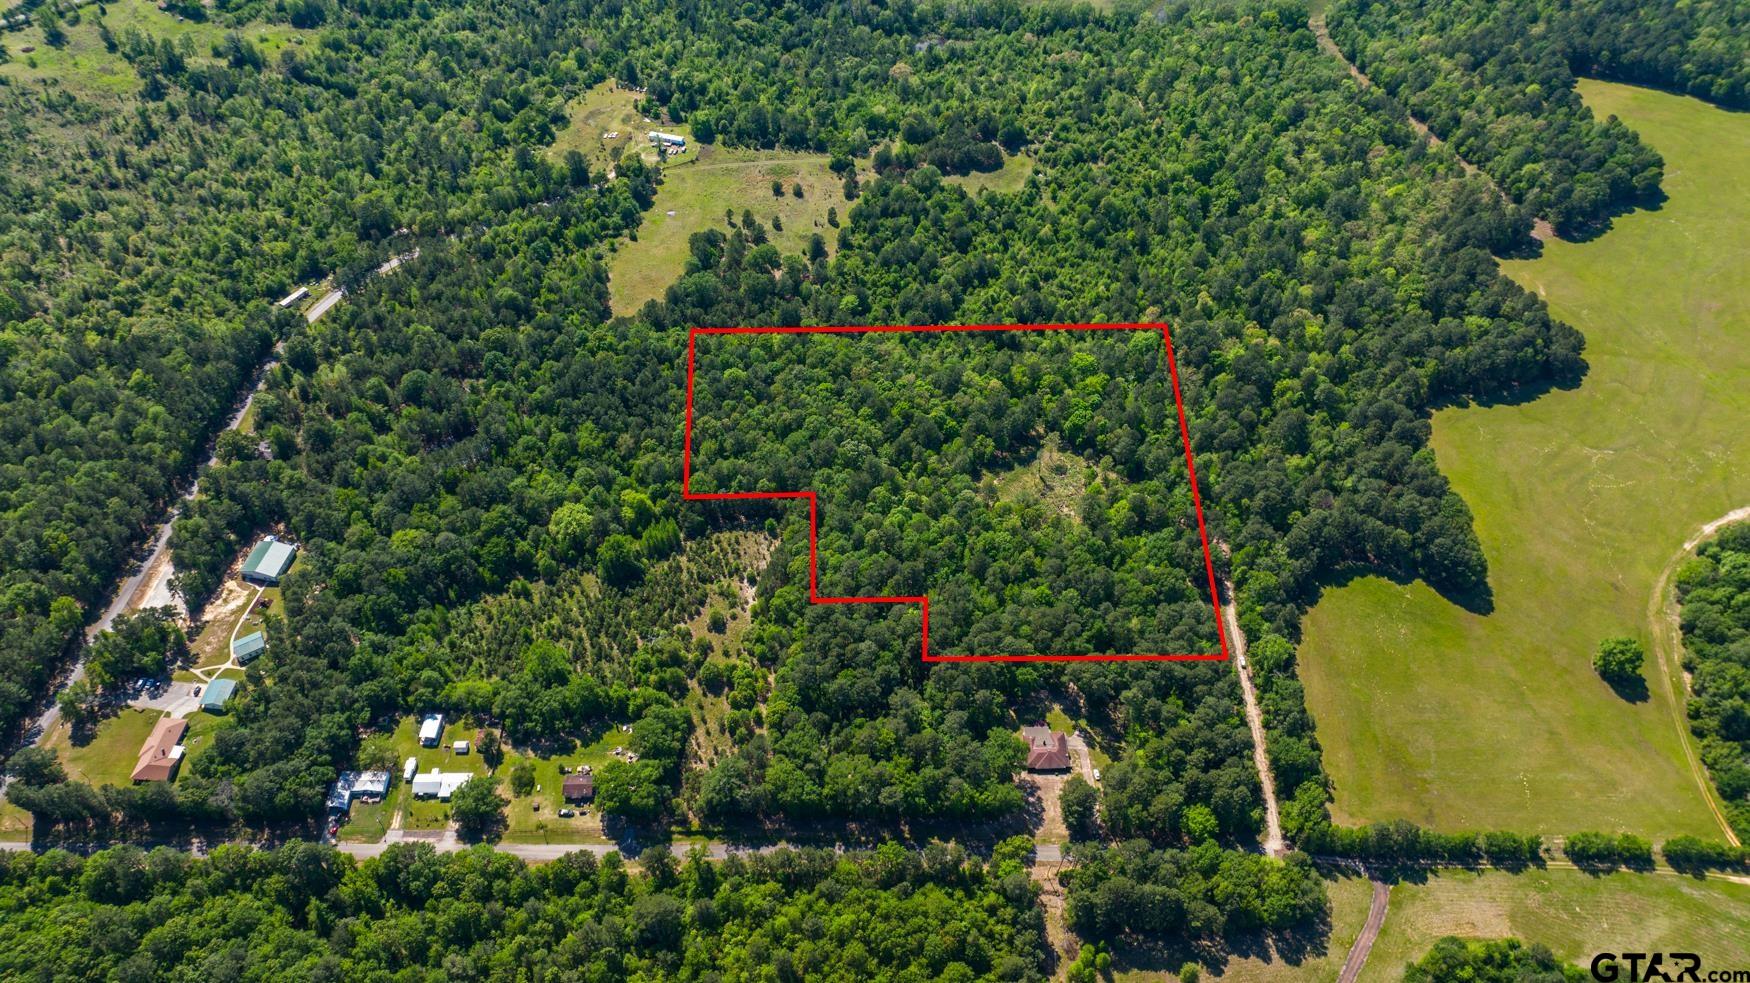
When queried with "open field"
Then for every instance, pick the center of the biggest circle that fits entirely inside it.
(1349, 899)
(1577, 915)
(605, 125)
(84, 67)
(1458, 720)
(693, 198)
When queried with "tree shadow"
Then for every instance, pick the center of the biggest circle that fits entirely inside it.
(1632, 689)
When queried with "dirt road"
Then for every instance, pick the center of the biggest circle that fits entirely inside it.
(1358, 952)
(1666, 630)
(1273, 842)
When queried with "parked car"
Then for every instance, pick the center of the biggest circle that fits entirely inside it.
(567, 813)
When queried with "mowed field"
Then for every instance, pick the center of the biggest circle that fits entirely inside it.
(1577, 915)
(693, 198)
(1464, 721)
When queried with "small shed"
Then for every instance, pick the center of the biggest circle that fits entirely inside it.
(217, 693)
(579, 787)
(460, 747)
(268, 562)
(245, 649)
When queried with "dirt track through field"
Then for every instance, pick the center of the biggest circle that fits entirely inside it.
(1665, 627)
(1357, 960)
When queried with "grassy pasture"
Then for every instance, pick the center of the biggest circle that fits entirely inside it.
(1457, 720)
(1577, 915)
(693, 198)
(1009, 178)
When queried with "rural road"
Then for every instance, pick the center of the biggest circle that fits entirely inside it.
(1273, 842)
(1358, 952)
(1666, 629)
(144, 580)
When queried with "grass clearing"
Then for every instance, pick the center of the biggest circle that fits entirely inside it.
(606, 125)
(1007, 179)
(1462, 721)
(1577, 915)
(693, 197)
(1055, 478)
(87, 69)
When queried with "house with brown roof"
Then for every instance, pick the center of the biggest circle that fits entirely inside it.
(579, 786)
(162, 751)
(1047, 750)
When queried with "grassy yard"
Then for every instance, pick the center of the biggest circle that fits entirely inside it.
(535, 818)
(693, 197)
(1577, 915)
(1458, 720)
(110, 756)
(85, 68)
(1349, 900)
(199, 737)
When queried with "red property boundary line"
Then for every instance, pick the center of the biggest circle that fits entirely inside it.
(922, 601)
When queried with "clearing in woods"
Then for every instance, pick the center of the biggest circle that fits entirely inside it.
(1574, 913)
(1460, 720)
(695, 194)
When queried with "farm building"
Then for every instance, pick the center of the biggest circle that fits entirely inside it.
(579, 787)
(668, 139)
(1047, 750)
(431, 730)
(370, 786)
(218, 692)
(245, 649)
(295, 296)
(436, 784)
(162, 752)
(268, 562)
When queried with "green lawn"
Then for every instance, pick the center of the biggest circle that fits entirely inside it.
(1577, 915)
(1448, 718)
(699, 191)
(199, 737)
(110, 756)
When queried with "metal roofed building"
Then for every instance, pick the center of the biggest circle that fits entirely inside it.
(436, 784)
(431, 730)
(217, 693)
(245, 649)
(368, 785)
(268, 562)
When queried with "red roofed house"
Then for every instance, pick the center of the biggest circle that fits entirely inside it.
(162, 752)
(1047, 750)
(579, 786)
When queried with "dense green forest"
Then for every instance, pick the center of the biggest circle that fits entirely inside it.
(481, 465)
(307, 912)
(474, 429)
(1714, 589)
(1497, 80)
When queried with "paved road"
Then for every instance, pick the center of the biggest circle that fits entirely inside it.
(1358, 952)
